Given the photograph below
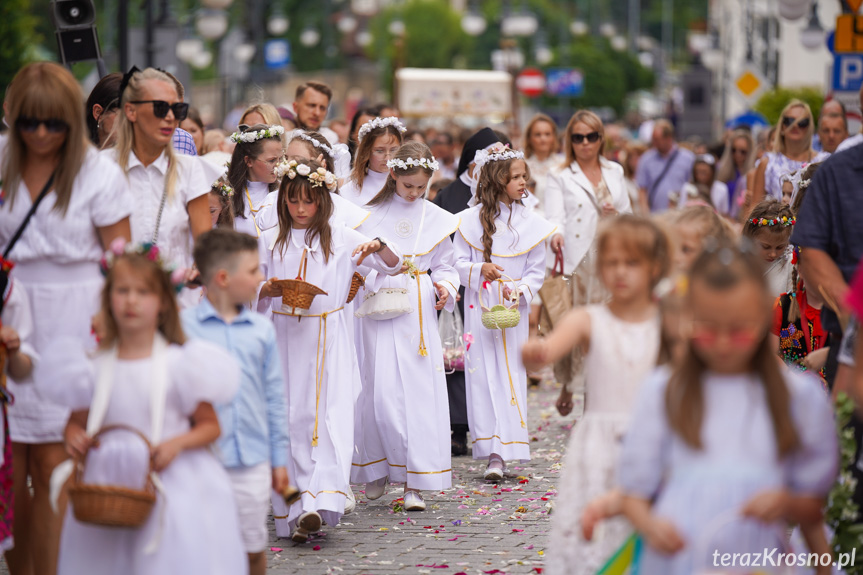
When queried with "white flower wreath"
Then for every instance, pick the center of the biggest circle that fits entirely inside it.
(223, 189)
(431, 164)
(318, 178)
(380, 123)
(496, 154)
(304, 136)
(249, 137)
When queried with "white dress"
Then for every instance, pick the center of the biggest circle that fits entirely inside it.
(701, 492)
(57, 262)
(539, 172)
(372, 184)
(620, 356)
(496, 381)
(256, 196)
(344, 212)
(402, 416)
(321, 373)
(778, 274)
(195, 520)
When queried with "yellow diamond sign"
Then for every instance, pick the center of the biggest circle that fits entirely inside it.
(750, 83)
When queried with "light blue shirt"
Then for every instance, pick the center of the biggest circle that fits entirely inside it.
(255, 424)
(650, 167)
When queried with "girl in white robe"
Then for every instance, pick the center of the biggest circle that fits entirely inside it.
(402, 425)
(317, 349)
(379, 140)
(252, 173)
(146, 378)
(500, 250)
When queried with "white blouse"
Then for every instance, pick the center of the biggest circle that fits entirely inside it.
(100, 197)
(372, 184)
(194, 179)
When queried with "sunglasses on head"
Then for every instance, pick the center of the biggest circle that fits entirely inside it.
(592, 137)
(53, 125)
(161, 107)
(802, 123)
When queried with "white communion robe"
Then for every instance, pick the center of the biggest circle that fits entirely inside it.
(344, 212)
(402, 416)
(495, 375)
(320, 367)
(372, 184)
(256, 197)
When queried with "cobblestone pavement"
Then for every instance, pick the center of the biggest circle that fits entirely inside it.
(473, 528)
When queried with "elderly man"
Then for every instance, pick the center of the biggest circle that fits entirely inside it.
(832, 125)
(311, 104)
(662, 169)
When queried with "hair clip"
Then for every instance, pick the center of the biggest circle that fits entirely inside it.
(124, 83)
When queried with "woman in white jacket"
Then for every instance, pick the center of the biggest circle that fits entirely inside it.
(585, 189)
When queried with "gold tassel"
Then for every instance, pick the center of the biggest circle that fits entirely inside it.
(423, 352)
(320, 363)
(513, 400)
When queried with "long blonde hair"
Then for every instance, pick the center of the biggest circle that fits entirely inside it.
(593, 122)
(267, 111)
(528, 148)
(126, 129)
(726, 170)
(45, 90)
(779, 136)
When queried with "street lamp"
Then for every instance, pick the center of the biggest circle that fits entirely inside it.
(188, 48)
(364, 38)
(578, 27)
(608, 30)
(473, 22)
(310, 36)
(278, 23)
(347, 24)
(618, 43)
(217, 4)
(202, 60)
(521, 23)
(812, 36)
(397, 27)
(244, 52)
(793, 9)
(541, 51)
(211, 24)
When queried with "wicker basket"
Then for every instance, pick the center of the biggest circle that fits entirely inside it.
(298, 293)
(500, 316)
(111, 505)
(357, 281)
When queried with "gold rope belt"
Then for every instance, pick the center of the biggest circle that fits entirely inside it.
(253, 211)
(320, 360)
(422, 350)
(513, 398)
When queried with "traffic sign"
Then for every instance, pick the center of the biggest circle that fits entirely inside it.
(750, 83)
(530, 82)
(565, 82)
(277, 53)
(849, 33)
(847, 72)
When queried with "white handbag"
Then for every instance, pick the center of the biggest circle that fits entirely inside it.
(388, 303)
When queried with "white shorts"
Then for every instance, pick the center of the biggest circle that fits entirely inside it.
(252, 492)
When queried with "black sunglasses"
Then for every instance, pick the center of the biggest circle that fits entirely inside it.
(788, 121)
(592, 137)
(28, 124)
(161, 107)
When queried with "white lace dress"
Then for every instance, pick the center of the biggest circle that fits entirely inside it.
(621, 355)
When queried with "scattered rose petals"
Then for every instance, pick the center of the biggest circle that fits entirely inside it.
(276, 549)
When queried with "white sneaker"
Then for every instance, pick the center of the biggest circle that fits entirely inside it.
(350, 502)
(308, 523)
(376, 488)
(414, 501)
(494, 471)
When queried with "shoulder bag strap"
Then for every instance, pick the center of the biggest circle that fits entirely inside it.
(661, 177)
(17, 235)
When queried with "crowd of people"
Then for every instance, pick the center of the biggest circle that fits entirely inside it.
(228, 326)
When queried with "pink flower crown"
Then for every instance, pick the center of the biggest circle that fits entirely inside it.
(764, 222)
(119, 247)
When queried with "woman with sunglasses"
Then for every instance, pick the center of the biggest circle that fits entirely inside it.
(101, 110)
(736, 161)
(792, 149)
(85, 205)
(170, 190)
(585, 189)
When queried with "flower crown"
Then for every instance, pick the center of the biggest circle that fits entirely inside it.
(318, 178)
(495, 154)
(223, 188)
(764, 222)
(380, 123)
(428, 164)
(149, 250)
(252, 136)
(303, 136)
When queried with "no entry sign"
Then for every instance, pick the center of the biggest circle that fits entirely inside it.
(530, 82)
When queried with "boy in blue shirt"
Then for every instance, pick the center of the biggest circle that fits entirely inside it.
(254, 441)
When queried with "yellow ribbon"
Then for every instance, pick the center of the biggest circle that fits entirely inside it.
(423, 352)
(253, 211)
(513, 399)
(320, 361)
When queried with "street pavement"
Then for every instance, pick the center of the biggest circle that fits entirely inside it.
(472, 528)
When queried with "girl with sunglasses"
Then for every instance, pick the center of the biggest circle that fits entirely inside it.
(725, 447)
(792, 150)
(170, 190)
(84, 204)
(621, 339)
(583, 191)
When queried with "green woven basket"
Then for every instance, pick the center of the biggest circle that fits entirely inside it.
(500, 316)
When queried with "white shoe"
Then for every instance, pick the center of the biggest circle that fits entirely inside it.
(376, 488)
(414, 501)
(308, 523)
(494, 471)
(350, 502)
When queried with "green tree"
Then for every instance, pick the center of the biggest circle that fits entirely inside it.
(18, 39)
(771, 103)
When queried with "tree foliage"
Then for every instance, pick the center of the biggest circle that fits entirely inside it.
(18, 38)
(771, 103)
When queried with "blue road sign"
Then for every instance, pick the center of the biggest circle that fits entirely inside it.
(847, 72)
(564, 82)
(277, 53)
